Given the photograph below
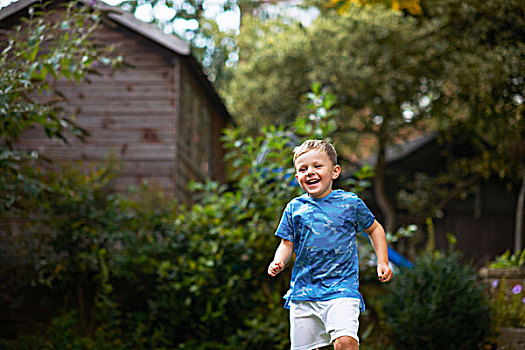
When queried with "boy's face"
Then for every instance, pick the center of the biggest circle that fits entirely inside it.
(315, 173)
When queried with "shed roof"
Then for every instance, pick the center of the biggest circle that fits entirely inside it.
(147, 30)
(152, 32)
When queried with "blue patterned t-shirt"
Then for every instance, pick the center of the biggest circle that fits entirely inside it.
(323, 231)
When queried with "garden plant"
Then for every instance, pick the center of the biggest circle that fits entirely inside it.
(433, 304)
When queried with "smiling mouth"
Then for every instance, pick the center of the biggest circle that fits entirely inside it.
(312, 182)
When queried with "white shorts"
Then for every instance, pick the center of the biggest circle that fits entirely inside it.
(318, 323)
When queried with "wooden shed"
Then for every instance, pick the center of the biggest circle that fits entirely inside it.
(161, 117)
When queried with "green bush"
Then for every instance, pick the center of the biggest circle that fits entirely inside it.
(437, 304)
(160, 276)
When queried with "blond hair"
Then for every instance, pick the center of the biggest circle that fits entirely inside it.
(320, 145)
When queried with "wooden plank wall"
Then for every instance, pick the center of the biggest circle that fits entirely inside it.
(200, 151)
(130, 114)
(482, 223)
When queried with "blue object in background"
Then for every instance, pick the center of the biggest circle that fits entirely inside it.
(397, 259)
(394, 257)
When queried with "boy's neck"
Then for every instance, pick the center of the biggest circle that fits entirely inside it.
(323, 195)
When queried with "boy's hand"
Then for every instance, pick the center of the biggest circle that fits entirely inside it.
(384, 272)
(275, 268)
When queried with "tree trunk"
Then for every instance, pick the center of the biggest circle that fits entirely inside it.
(386, 207)
(520, 213)
(81, 306)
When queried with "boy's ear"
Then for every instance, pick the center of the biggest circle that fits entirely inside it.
(336, 172)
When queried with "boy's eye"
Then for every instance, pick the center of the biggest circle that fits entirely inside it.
(318, 166)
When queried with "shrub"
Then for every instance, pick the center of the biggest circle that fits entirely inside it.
(437, 304)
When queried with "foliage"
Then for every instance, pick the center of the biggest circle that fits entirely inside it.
(506, 260)
(157, 278)
(320, 121)
(456, 67)
(486, 106)
(507, 305)
(377, 62)
(83, 221)
(360, 75)
(215, 253)
(65, 254)
(402, 232)
(218, 52)
(427, 194)
(367, 256)
(267, 329)
(42, 50)
(36, 54)
(481, 99)
(19, 179)
(432, 305)
(62, 334)
(411, 6)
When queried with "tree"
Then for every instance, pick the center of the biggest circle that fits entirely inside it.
(455, 64)
(482, 90)
(410, 6)
(375, 61)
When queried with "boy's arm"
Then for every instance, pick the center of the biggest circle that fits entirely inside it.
(378, 239)
(282, 256)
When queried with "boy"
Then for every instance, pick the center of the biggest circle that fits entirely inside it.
(320, 226)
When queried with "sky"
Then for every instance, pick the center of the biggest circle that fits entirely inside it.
(4, 3)
(227, 20)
